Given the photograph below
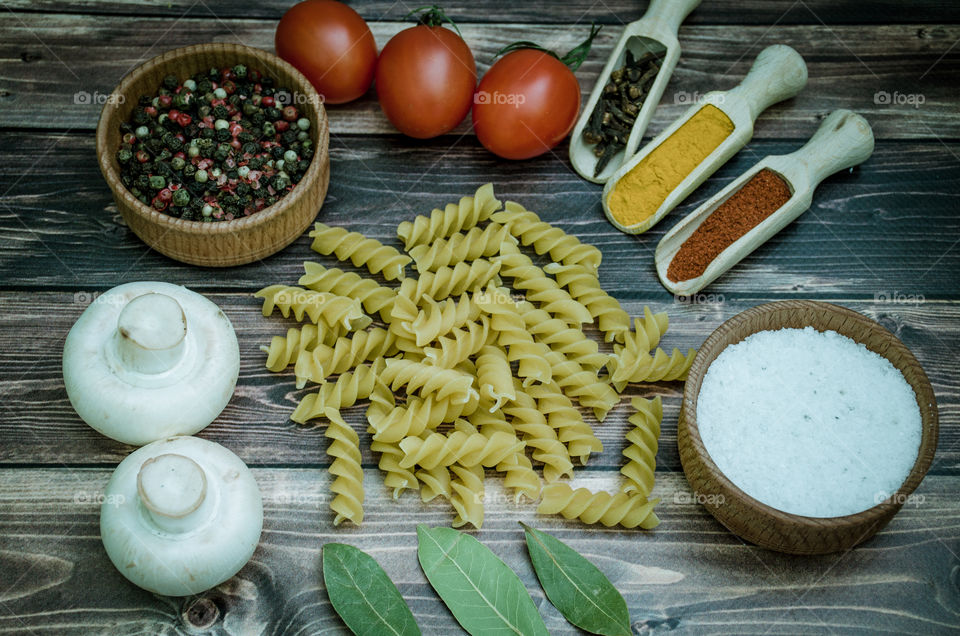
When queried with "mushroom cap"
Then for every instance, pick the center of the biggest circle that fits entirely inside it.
(135, 407)
(180, 564)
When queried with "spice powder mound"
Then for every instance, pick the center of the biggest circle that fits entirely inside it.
(639, 194)
(760, 197)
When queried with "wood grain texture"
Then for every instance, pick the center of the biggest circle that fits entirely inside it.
(689, 575)
(883, 240)
(889, 227)
(541, 11)
(848, 67)
(38, 425)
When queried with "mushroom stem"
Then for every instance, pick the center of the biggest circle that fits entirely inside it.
(173, 489)
(151, 333)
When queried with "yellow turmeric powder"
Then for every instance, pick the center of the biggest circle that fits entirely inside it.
(641, 192)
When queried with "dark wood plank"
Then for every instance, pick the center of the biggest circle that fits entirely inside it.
(540, 11)
(40, 427)
(848, 67)
(889, 226)
(690, 574)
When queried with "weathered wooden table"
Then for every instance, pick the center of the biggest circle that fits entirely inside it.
(883, 239)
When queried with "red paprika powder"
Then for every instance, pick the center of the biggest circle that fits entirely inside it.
(759, 197)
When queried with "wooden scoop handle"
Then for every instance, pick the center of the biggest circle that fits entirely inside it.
(777, 74)
(843, 140)
(668, 14)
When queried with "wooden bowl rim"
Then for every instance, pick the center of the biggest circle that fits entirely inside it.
(110, 112)
(923, 392)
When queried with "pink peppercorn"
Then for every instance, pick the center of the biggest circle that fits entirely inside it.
(281, 125)
(267, 101)
(290, 113)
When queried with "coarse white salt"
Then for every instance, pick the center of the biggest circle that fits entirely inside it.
(808, 422)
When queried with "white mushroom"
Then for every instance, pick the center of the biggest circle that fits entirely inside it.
(150, 360)
(180, 516)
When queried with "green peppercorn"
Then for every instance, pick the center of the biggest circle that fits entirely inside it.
(190, 85)
(303, 123)
(124, 155)
(181, 197)
(189, 170)
(142, 132)
(170, 82)
(219, 93)
(157, 182)
(269, 130)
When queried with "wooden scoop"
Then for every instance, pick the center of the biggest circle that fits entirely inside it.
(843, 140)
(777, 74)
(654, 33)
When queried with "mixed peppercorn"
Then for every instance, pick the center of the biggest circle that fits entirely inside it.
(218, 146)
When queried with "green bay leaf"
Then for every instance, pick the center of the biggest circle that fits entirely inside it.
(576, 587)
(483, 594)
(363, 595)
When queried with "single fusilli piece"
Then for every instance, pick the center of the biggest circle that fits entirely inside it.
(359, 250)
(436, 319)
(319, 307)
(530, 423)
(346, 391)
(466, 449)
(494, 376)
(641, 453)
(545, 238)
(476, 243)
(346, 353)
(642, 367)
(583, 385)
(418, 415)
(451, 281)
(395, 476)
(347, 485)
(542, 290)
(427, 380)
(584, 286)
(460, 344)
(506, 320)
(373, 297)
(562, 338)
(609, 509)
(455, 217)
(466, 497)
(284, 350)
(565, 419)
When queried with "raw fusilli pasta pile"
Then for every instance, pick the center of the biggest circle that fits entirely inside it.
(464, 373)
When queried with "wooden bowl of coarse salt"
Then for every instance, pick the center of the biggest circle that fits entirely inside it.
(805, 426)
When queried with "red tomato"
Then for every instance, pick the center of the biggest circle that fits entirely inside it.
(525, 105)
(426, 76)
(331, 45)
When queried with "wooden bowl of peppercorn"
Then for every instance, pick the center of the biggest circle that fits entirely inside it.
(185, 225)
